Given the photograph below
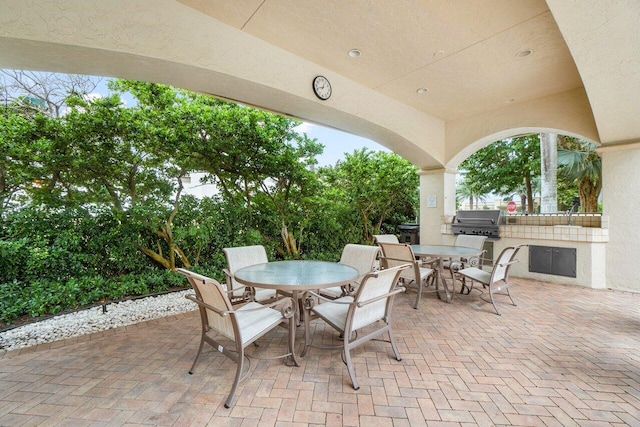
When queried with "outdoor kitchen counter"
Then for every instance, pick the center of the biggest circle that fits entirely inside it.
(589, 242)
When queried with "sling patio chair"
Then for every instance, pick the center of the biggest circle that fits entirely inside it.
(358, 318)
(240, 257)
(230, 330)
(456, 264)
(386, 238)
(360, 257)
(394, 254)
(497, 280)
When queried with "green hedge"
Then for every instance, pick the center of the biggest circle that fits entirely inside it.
(44, 297)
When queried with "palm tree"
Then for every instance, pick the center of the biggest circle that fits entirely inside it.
(548, 172)
(469, 189)
(579, 162)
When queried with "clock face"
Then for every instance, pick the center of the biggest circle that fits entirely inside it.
(322, 87)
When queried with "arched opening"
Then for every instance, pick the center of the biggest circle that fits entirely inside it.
(543, 172)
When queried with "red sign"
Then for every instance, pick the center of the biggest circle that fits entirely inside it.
(511, 206)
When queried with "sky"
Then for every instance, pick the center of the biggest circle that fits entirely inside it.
(336, 143)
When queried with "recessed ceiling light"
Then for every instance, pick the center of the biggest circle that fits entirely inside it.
(523, 53)
(422, 90)
(354, 53)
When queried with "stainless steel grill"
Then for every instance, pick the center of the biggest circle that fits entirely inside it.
(481, 223)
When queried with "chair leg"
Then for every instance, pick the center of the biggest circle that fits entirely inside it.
(509, 294)
(394, 347)
(504, 287)
(492, 301)
(415, 305)
(453, 280)
(240, 363)
(347, 360)
(195, 362)
(468, 286)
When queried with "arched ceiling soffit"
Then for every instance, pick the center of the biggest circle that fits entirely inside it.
(567, 113)
(167, 42)
(604, 39)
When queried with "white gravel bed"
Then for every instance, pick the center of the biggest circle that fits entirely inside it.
(94, 320)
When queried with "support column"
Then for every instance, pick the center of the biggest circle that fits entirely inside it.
(437, 203)
(621, 212)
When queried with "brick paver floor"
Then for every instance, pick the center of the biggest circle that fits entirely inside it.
(565, 356)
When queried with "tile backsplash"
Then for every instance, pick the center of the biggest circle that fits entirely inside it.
(593, 220)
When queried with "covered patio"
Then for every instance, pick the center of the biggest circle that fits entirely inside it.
(433, 84)
(565, 356)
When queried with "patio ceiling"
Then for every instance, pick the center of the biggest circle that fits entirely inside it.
(580, 78)
(465, 55)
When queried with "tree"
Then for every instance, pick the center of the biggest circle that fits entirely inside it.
(469, 189)
(255, 158)
(581, 164)
(18, 160)
(379, 186)
(505, 167)
(34, 92)
(101, 154)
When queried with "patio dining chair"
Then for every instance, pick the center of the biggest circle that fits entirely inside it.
(456, 264)
(395, 254)
(360, 257)
(358, 318)
(386, 238)
(497, 280)
(243, 256)
(231, 330)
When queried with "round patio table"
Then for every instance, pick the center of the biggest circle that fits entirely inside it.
(295, 276)
(441, 252)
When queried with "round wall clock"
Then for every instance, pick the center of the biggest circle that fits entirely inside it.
(322, 87)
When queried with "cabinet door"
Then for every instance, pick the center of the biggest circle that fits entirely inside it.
(563, 262)
(552, 260)
(540, 259)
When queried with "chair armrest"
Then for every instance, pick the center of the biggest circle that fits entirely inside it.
(193, 298)
(248, 310)
(315, 294)
(378, 298)
(509, 263)
(410, 263)
(466, 260)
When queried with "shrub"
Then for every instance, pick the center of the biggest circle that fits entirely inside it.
(44, 297)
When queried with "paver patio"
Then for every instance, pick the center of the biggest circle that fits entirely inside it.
(564, 356)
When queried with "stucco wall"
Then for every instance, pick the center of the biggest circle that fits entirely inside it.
(590, 262)
(437, 199)
(621, 186)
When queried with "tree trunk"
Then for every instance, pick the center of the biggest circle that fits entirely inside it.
(527, 184)
(548, 172)
(589, 195)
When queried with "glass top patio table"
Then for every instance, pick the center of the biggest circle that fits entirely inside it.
(296, 275)
(444, 251)
(300, 275)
